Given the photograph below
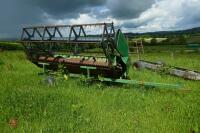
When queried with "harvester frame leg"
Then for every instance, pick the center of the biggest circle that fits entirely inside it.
(88, 68)
(44, 67)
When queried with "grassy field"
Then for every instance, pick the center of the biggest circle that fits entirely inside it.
(71, 106)
(10, 46)
(168, 48)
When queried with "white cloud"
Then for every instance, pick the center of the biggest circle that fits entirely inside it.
(84, 18)
(168, 15)
(126, 9)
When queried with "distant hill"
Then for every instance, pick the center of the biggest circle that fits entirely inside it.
(8, 39)
(167, 33)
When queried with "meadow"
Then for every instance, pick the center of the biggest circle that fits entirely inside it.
(73, 106)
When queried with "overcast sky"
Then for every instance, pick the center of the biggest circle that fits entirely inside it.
(129, 15)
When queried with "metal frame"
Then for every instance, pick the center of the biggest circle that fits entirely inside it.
(46, 34)
(121, 81)
(128, 81)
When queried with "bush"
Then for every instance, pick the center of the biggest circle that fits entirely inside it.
(153, 41)
(10, 46)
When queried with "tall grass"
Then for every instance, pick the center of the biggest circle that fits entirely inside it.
(71, 106)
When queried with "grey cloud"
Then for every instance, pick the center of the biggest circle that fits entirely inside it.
(131, 25)
(66, 8)
(126, 9)
(15, 14)
(190, 15)
(137, 23)
(167, 15)
(18, 13)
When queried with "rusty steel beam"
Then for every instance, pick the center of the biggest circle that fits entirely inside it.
(73, 65)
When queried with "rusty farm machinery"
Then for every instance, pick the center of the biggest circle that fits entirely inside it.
(97, 51)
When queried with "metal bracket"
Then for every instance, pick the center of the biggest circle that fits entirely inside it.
(88, 68)
(44, 66)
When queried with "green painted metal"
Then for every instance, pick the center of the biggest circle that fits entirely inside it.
(44, 66)
(123, 49)
(122, 44)
(142, 83)
(88, 68)
(126, 81)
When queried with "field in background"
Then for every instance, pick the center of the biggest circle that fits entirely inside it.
(10, 46)
(72, 106)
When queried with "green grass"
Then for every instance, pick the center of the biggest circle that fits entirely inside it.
(10, 46)
(169, 48)
(186, 60)
(71, 106)
(194, 39)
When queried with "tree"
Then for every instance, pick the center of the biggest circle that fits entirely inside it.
(182, 40)
(153, 41)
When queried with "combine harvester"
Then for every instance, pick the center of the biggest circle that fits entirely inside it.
(47, 46)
